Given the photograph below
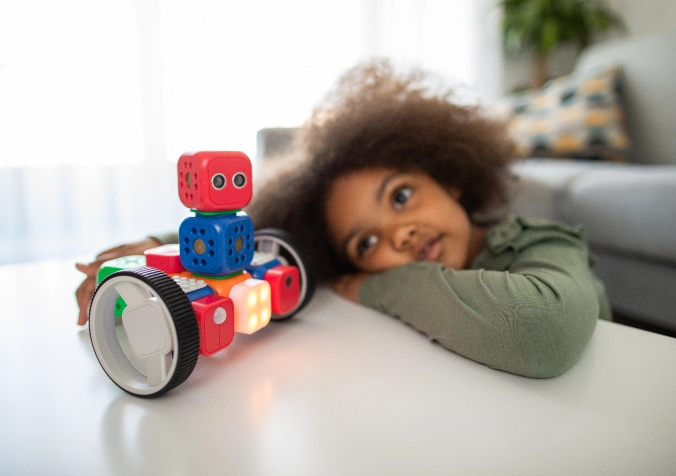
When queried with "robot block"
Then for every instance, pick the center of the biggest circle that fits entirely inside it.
(252, 298)
(179, 301)
(252, 305)
(222, 285)
(215, 314)
(214, 181)
(217, 244)
(260, 263)
(119, 264)
(216, 320)
(165, 258)
(193, 288)
(284, 283)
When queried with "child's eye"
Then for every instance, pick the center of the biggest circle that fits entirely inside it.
(364, 245)
(401, 196)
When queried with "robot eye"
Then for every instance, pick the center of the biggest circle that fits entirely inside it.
(218, 181)
(239, 180)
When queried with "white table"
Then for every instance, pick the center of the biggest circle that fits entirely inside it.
(337, 390)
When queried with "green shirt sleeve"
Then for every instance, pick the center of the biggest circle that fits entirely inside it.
(166, 238)
(528, 306)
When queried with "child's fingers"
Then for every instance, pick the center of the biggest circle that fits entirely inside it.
(90, 269)
(83, 294)
(135, 248)
(85, 291)
(82, 318)
(108, 255)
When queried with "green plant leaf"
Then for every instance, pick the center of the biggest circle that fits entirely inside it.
(549, 38)
(544, 24)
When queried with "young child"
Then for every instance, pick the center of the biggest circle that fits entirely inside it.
(400, 200)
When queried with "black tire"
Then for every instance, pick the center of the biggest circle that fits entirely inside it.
(175, 318)
(290, 249)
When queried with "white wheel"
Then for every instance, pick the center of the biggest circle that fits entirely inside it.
(288, 249)
(154, 347)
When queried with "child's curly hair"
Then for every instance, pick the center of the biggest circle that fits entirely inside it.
(378, 118)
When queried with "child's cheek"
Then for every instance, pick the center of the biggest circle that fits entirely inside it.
(385, 258)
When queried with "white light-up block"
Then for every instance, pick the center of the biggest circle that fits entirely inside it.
(251, 299)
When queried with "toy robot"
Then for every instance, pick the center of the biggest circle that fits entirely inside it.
(151, 316)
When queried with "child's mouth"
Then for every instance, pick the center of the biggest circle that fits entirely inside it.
(431, 250)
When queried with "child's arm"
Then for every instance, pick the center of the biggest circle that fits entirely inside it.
(84, 292)
(531, 311)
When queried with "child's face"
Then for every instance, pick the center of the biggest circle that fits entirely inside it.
(381, 218)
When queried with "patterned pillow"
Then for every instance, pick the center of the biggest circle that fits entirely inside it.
(570, 117)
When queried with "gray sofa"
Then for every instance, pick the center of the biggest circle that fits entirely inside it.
(629, 210)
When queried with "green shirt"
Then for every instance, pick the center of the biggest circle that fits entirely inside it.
(170, 237)
(528, 305)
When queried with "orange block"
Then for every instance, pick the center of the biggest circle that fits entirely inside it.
(221, 287)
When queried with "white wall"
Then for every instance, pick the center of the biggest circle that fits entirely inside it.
(642, 17)
(459, 40)
(93, 106)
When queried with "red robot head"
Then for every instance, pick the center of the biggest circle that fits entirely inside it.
(214, 181)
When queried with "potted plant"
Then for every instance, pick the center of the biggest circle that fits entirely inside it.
(542, 25)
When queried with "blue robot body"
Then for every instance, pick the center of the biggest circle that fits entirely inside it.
(216, 244)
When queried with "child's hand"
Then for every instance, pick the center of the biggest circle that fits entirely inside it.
(348, 285)
(86, 290)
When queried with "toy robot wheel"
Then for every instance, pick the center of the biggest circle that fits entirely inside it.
(282, 244)
(154, 347)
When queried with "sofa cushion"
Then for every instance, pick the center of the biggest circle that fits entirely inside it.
(576, 116)
(648, 72)
(639, 288)
(631, 209)
(542, 183)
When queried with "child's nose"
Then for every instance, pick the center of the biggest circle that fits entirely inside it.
(404, 236)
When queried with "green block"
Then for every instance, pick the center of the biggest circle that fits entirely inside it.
(213, 276)
(118, 264)
(119, 306)
(209, 214)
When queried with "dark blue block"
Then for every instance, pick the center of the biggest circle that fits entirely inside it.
(216, 244)
(258, 271)
(199, 293)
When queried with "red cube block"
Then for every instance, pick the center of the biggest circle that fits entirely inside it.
(216, 320)
(165, 258)
(214, 181)
(284, 287)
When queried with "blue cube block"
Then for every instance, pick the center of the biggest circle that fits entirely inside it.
(216, 244)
